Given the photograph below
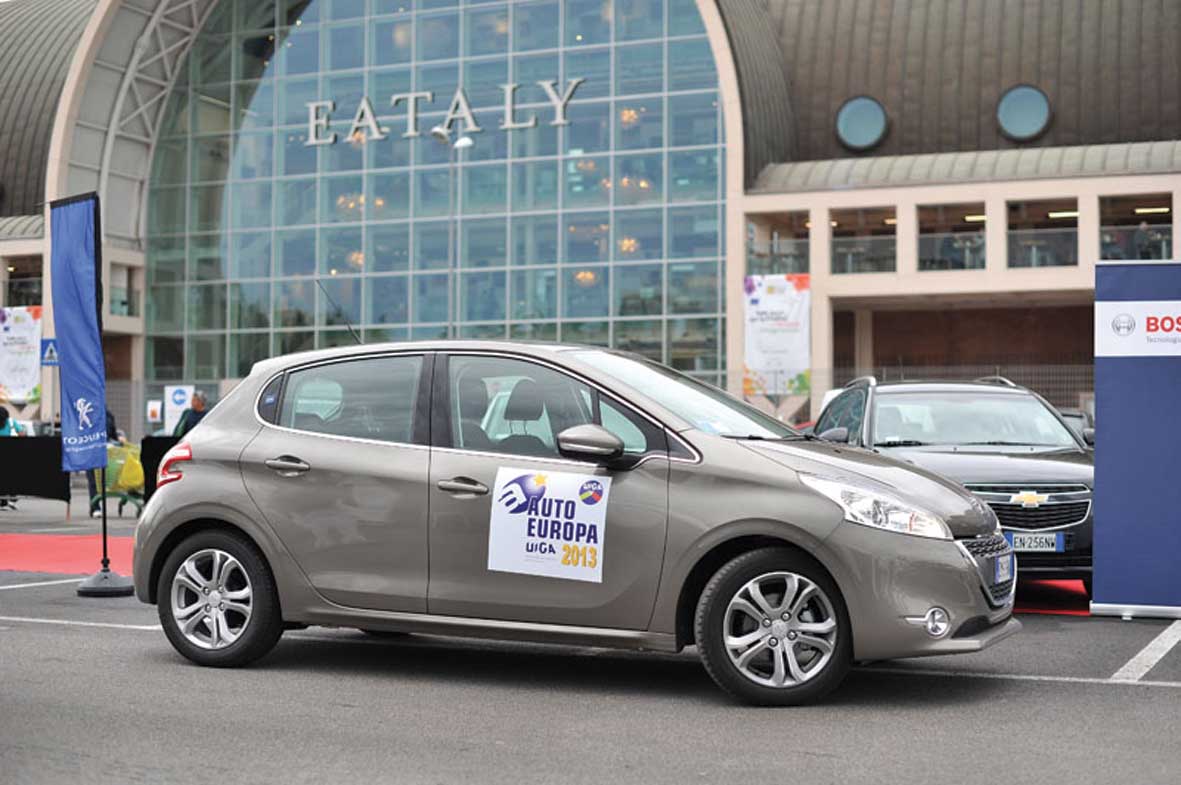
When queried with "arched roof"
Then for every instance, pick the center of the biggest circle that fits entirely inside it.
(37, 41)
(1112, 70)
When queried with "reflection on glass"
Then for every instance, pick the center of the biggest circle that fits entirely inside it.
(534, 294)
(639, 290)
(482, 296)
(586, 292)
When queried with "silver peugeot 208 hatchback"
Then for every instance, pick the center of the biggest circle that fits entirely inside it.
(559, 494)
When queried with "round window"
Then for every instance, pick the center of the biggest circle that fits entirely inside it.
(1023, 112)
(861, 123)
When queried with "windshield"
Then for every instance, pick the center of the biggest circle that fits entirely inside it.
(707, 408)
(913, 419)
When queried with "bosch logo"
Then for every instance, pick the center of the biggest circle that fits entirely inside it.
(1162, 324)
(1124, 324)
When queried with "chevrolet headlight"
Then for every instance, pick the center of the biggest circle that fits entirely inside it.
(870, 506)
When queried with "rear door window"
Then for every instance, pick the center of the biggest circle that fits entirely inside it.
(371, 398)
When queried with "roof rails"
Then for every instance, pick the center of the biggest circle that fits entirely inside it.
(1001, 380)
(868, 381)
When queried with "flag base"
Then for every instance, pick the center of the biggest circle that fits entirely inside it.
(105, 583)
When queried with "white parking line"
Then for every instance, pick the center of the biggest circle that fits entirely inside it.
(68, 622)
(1137, 667)
(41, 583)
(1018, 677)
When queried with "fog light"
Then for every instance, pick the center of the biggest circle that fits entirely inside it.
(937, 622)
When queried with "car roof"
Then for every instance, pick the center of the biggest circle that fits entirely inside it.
(883, 388)
(536, 348)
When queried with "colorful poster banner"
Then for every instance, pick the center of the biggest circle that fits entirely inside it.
(20, 355)
(778, 354)
(548, 523)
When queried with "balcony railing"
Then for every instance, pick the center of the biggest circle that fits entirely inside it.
(1132, 242)
(22, 291)
(951, 251)
(1043, 247)
(124, 302)
(863, 254)
(783, 257)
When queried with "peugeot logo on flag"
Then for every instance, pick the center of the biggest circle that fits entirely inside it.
(84, 408)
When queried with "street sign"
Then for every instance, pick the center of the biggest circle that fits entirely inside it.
(49, 356)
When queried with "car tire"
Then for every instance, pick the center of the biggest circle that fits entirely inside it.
(218, 634)
(767, 677)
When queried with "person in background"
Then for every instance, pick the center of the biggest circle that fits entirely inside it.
(193, 415)
(9, 427)
(1142, 239)
(91, 484)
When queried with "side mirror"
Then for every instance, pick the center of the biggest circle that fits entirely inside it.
(1089, 436)
(840, 434)
(590, 443)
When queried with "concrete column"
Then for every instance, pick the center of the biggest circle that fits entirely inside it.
(735, 296)
(1088, 231)
(820, 266)
(3, 281)
(863, 342)
(996, 235)
(906, 238)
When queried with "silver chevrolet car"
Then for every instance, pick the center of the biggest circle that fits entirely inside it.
(560, 494)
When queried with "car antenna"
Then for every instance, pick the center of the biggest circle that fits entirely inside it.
(333, 303)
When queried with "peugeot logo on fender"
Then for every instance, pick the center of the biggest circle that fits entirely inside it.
(1123, 325)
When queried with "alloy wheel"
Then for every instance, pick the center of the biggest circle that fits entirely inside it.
(780, 630)
(212, 599)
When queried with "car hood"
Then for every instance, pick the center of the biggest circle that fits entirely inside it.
(1002, 465)
(963, 513)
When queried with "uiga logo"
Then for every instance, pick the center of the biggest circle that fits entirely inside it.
(1162, 324)
(591, 492)
(1123, 325)
(519, 491)
(84, 408)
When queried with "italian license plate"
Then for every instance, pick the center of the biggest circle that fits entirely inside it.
(1050, 542)
(1004, 568)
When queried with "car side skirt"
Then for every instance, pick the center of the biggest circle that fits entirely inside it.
(459, 626)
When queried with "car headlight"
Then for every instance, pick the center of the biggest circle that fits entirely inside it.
(870, 506)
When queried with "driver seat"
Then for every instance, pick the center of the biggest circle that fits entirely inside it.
(525, 405)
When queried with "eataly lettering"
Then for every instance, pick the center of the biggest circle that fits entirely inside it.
(365, 126)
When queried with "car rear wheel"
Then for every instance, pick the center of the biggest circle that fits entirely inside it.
(772, 629)
(217, 600)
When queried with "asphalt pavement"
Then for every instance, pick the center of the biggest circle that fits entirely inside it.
(90, 691)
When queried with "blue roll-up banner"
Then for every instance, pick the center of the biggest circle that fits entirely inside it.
(1138, 444)
(77, 299)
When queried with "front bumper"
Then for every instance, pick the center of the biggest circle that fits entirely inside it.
(891, 580)
(1074, 561)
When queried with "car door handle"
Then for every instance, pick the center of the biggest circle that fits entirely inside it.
(287, 465)
(463, 485)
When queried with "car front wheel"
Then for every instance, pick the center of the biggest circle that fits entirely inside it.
(772, 629)
(217, 600)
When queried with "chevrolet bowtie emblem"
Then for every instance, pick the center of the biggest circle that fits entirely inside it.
(1028, 498)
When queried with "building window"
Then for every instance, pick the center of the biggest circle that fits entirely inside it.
(951, 236)
(1136, 227)
(861, 123)
(1043, 234)
(863, 240)
(23, 281)
(777, 244)
(1023, 113)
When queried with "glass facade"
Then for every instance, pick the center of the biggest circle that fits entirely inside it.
(297, 188)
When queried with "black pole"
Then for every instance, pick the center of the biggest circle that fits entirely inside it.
(102, 476)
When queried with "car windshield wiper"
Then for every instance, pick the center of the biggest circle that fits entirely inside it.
(901, 443)
(757, 437)
(998, 443)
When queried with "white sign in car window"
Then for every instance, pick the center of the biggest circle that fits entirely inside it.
(548, 523)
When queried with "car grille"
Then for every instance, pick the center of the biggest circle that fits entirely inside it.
(1063, 505)
(1000, 591)
(986, 547)
(984, 550)
(1047, 516)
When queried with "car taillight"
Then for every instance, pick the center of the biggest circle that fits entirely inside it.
(170, 464)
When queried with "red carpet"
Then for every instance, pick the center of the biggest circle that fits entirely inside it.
(1059, 598)
(70, 554)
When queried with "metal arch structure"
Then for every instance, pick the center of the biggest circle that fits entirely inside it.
(114, 102)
